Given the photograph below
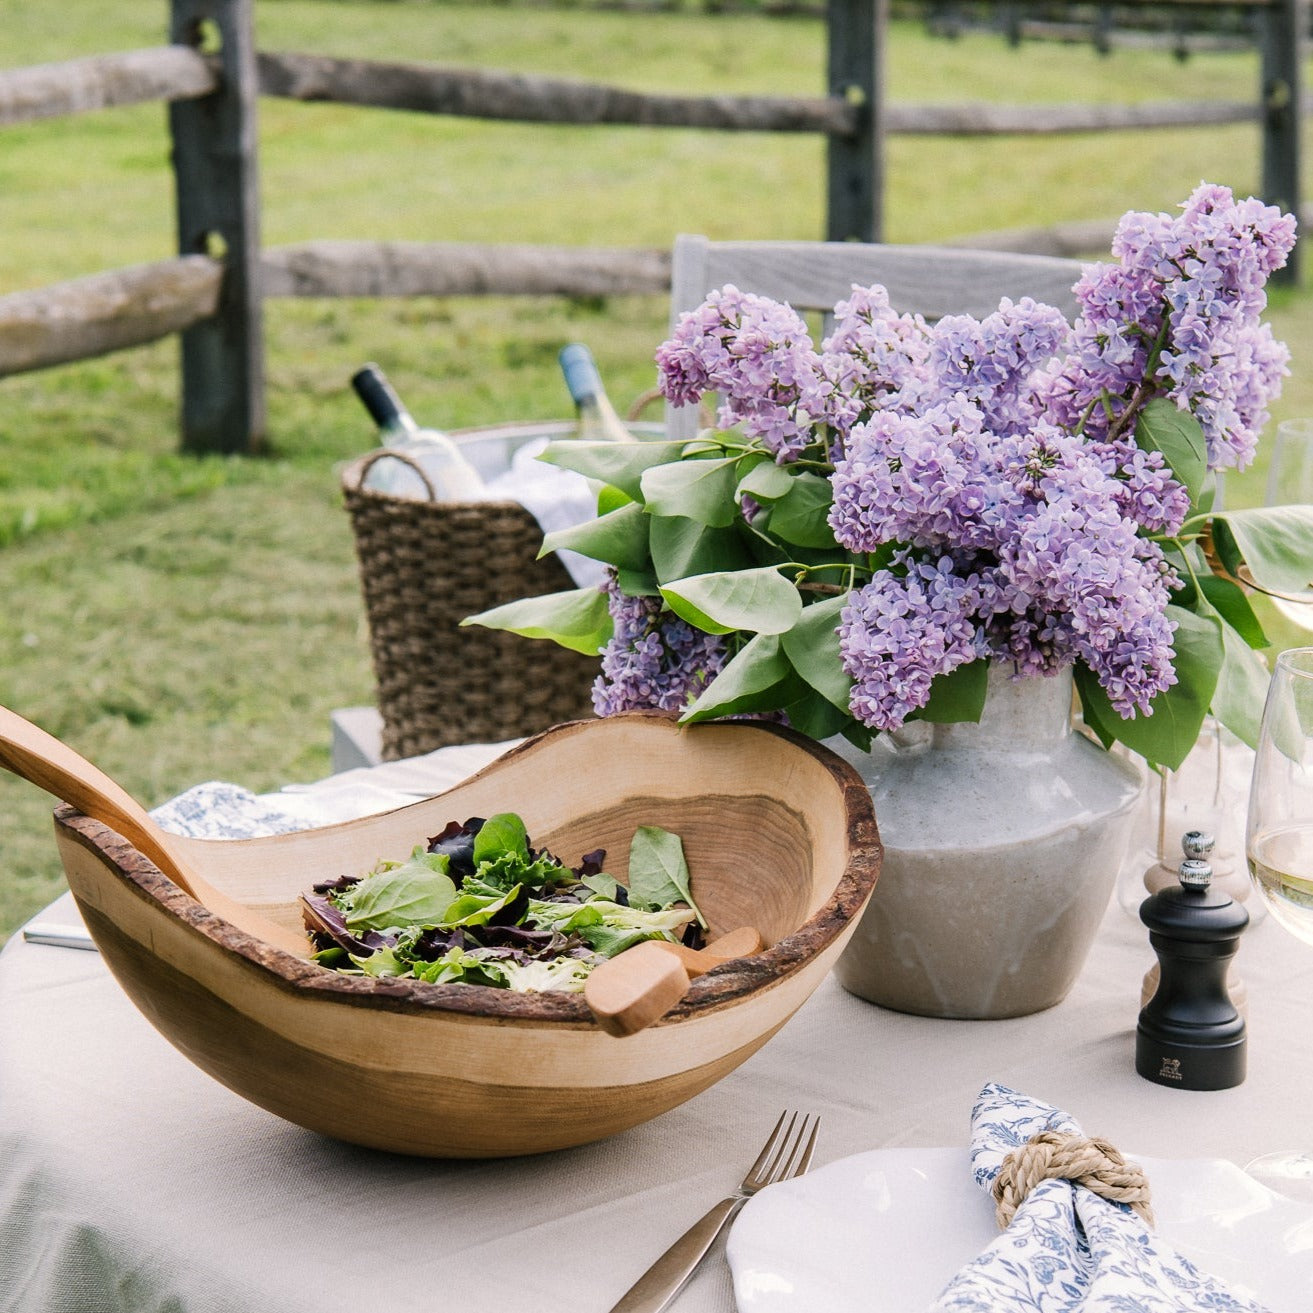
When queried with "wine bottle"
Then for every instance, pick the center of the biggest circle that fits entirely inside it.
(452, 477)
(598, 421)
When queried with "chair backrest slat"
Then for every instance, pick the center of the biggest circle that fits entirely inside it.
(812, 276)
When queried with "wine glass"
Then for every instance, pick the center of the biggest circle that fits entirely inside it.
(1279, 845)
(1290, 480)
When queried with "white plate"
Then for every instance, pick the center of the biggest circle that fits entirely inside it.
(883, 1232)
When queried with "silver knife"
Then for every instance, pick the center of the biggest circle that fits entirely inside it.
(58, 934)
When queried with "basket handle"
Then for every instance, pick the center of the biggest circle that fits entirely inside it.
(391, 453)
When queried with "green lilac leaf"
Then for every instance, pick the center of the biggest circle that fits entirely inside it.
(702, 490)
(681, 547)
(812, 645)
(1241, 687)
(758, 678)
(1177, 435)
(759, 601)
(620, 464)
(958, 695)
(1275, 542)
(610, 498)
(578, 619)
(802, 517)
(1233, 606)
(619, 538)
(638, 583)
(766, 482)
(816, 716)
(1166, 737)
(658, 871)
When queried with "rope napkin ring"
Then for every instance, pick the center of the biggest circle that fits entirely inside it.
(1093, 1163)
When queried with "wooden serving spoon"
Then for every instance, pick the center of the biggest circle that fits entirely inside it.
(631, 990)
(53, 766)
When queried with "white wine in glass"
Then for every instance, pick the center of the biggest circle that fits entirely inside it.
(1279, 845)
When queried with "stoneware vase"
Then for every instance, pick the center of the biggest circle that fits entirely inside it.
(1002, 844)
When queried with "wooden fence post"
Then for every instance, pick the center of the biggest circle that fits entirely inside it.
(855, 164)
(218, 200)
(1283, 26)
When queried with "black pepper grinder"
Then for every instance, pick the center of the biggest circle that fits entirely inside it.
(1190, 1034)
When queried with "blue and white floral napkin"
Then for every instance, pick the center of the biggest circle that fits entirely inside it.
(1068, 1249)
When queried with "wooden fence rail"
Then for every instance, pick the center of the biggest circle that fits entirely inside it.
(104, 81)
(212, 294)
(487, 94)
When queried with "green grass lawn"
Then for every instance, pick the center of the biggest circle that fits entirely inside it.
(180, 620)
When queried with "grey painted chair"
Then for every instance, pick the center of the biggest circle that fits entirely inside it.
(813, 276)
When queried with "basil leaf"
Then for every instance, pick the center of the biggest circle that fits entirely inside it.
(417, 892)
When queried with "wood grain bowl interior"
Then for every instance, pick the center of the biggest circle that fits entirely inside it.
(778, 832)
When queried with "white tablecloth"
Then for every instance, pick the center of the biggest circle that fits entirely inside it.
(130, 1182)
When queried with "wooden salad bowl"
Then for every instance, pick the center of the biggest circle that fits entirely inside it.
(779, 834)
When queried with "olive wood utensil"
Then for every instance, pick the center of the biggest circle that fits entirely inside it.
(43, 760)
(631, 990)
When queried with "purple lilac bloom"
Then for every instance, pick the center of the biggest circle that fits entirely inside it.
(1183, 302)
(900, 631)
(874, 359)
(995, 361)
(921, 479)
(1031, 548)
(758, 355)
(654, 658)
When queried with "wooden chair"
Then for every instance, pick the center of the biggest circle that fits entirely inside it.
(813, 276)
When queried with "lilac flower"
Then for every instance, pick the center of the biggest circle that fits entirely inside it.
(874, 359)
(899, 632)
(921, 479)
(994, 361)
(1178, 317)
(654, 658)
(986, 477)
(758, 355)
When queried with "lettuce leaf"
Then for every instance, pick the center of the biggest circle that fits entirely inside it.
(416, 892)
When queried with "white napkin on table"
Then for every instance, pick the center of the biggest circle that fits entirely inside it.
(557, 498)
(1067, 1249)
(220, 810)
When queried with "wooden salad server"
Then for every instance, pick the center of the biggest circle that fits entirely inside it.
(631, 990)
(53, 766)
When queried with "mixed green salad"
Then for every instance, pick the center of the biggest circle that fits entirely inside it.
(479, 904)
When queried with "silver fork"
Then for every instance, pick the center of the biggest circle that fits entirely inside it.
(788, 1153)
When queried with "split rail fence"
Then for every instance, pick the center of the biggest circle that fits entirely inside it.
(212, 293)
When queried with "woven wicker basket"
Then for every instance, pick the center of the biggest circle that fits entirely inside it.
(424, 567)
